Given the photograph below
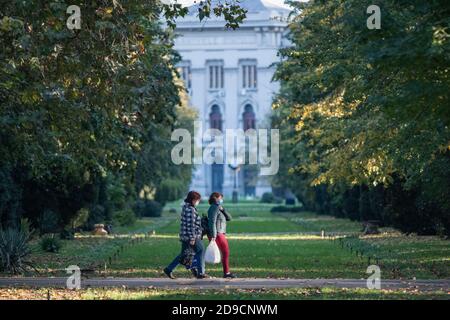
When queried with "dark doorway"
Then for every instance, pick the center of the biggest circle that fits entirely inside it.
(249, 172)
(215, 122)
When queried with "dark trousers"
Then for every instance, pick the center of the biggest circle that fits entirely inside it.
(199, 260)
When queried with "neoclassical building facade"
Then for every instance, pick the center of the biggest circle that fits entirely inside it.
(228, 74)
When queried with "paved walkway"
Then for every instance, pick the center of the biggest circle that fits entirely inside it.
(218, 283)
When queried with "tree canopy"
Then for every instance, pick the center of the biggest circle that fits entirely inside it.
(85, 115)
(368, 110)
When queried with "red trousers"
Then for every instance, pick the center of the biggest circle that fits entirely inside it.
(222, 243)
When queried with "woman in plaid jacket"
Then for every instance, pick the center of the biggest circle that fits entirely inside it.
(190, 236)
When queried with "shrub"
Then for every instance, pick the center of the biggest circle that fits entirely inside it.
(287, 209)
(97, 213)
(125, 217)
(170, 190)
(50, 243)
(48, 222)
(267, 197)
(14, 250)
(67, 234)
(148, 208)
(80, 218)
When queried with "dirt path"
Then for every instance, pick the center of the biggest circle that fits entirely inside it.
(215, 283)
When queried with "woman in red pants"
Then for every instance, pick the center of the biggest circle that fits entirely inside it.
(217, 223)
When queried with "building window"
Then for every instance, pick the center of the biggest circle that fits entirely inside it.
(248, 118)
(216, 75)
(215, 118)
(249, 75)
(184, 70)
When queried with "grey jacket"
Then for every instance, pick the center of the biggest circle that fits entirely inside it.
(217, 219)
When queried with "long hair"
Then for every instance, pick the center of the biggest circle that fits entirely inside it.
(214, 197)
(192, 197)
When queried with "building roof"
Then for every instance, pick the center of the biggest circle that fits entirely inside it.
(252, 6)
(259, 13)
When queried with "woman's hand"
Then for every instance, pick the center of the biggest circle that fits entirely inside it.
(192, 242)
(213, 239)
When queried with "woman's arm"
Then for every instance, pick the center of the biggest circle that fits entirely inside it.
(225, 213)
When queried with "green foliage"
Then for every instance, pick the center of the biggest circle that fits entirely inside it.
(84, 114)
(364, 113)
(48, 222)
(80, 218)
(67, 234)
(287, 209)
(170, 190)
(148, 208)
(269, 197)
(50, 243)
(124, 217)
(231, 11)
(14, 250)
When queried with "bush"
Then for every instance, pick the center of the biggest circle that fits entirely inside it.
(97, 214)
(125, 217)
(267, 197)
(170, 190)
(148, 208)
(287, 209)
(48, 222)
(80, 218)
(50, 243)
(14, 250)
(67, 234)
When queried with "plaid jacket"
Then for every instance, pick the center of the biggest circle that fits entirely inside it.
(191, 226)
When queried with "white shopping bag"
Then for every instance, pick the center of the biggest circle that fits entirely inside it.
(212, 254)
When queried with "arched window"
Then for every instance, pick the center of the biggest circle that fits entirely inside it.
(248, 117)
(215, 118)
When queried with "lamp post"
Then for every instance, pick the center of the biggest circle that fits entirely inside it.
(236, 169)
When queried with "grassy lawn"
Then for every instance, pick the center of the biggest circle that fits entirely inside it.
(219, 294)
(247, 225)
(87, 253)
(309, 221)
(267, 257)
(412, 256)
(263, 245)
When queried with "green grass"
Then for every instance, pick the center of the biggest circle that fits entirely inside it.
(141, 225)
(273, 256)
(412, 256)
(247, 225)
(86, 252)
(309, 221)
(89, 252)
(262, 245)
(260, 294)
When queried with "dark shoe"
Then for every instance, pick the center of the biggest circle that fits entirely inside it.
(229, 275)
(202, 276)
(194, 272)
(169, 274)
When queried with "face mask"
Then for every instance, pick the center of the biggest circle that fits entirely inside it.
(220, 201)
(196, 203)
